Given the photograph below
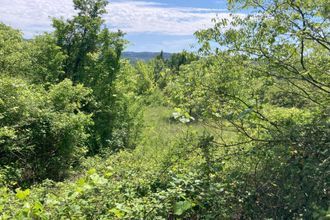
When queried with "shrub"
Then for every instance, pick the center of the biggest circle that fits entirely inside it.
(42, 132)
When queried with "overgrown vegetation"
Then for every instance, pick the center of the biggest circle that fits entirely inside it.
(238, 131)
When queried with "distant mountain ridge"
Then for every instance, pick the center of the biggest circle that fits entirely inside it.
(145, 56)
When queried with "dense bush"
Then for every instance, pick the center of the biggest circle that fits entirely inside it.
(260, 84)
(42, 132)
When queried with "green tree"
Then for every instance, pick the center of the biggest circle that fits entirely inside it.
(93, 58)
(266, 80)
(78, 36)
(14, 52)
(145, 78)
(47, 60)
(159, 66)
(179, 59)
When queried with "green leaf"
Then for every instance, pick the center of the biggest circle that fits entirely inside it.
(91, 171)
(117, 212)
(182, 206)
(22, 194)
(98, 180)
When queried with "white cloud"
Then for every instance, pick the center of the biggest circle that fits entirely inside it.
(34, 16)
(135, 17)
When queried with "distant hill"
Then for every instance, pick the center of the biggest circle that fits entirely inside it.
(145, 56)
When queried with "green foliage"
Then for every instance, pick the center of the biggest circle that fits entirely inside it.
(173, 180)
(246, 136)
(145, 81)
(264, 85)
(49, 120)
(47, 60)
(92, 57)
(119, 187)
(79, 36)
(179, 59)
(42, 132)
(159, 67)
(182, 206)
(14, 52)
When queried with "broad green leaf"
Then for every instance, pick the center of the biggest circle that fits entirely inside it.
(182, 206)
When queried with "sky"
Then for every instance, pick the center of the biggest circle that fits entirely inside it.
(150, 25)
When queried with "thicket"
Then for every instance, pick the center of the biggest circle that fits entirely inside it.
(60, 99)
(238, 131)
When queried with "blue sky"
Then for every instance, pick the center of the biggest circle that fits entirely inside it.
(150, 25)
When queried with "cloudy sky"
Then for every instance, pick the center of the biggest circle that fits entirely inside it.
(150, 25)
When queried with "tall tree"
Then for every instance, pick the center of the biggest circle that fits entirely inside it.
(79, 36)
(92, 58)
